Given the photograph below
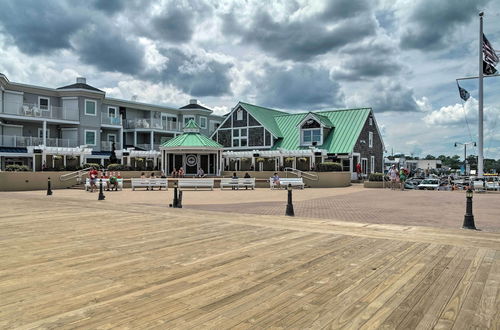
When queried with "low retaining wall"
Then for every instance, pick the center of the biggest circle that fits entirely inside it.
(326, 179)
(21, 181)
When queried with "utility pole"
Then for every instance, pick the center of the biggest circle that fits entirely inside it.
(465, 152)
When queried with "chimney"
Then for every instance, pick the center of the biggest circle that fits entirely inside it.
(81, 80)
(193, 101)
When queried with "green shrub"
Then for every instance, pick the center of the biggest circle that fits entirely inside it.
(95, 166)
(329, 167)
(119, 167)
(375, 177)
(17, 168)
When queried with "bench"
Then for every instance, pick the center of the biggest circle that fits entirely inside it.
(237, 183)
(284, 182)
(149, 183)
(196, 183)
(104, 183)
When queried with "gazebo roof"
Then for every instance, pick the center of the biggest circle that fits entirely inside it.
(191, 138)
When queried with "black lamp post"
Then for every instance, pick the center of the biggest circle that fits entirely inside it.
(469, 217)
(289, 206)
(101, 193)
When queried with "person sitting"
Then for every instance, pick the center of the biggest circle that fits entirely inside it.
(143, 176)
(181, 172)
(246, 176)
(152, 176)
(201, 173)
(113, 182)
(174, 173)
(235, 178)
(276, 179)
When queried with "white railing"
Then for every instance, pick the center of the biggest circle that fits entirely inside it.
(151, 124)
(35, 111)
(107, 146)
(77, 174)
(107, 120)
(145, 146)
(301, 174)
(30, 141)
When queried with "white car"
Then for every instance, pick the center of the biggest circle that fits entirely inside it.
(492, 183)
(429, 184)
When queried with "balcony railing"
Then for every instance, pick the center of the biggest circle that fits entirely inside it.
(107, 120)
(30, 141)
(151, 124)
(145, 146)
(35, 111)
(107, 145)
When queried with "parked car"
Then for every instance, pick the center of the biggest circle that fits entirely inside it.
(492, 183)
(429, 184)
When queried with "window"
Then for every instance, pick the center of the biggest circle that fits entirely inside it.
(188, 118)
(43, 103)
(240, 137)
(203, 122)
(40, 133)
(372, 164)
(370, 121)
(112, 112)
(214, 125)
(311, 135)
(90, 107)
(370, 139)
(239, 114)
(111, 137)
(90, 137)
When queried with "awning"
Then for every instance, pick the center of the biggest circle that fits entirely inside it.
(274, 153)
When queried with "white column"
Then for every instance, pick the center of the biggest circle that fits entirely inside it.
(135, 138)
(121, 133)
(253, 163)
(102, 161)
(34, 162)
(151, 139)
(64, 160)
(53, 160)
(44, 133)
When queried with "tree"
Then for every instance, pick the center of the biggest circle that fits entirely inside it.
(430, 157)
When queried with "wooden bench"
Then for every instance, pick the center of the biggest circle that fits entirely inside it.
(104, 183)
(149, 183)
(237, 183)
(195, 183)
(284, 182)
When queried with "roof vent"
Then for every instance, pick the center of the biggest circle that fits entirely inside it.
(193, 101)
(81, 80)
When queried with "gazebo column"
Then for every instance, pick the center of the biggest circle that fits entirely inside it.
(64, 160)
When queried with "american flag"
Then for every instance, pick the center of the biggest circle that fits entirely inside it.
(490, 57)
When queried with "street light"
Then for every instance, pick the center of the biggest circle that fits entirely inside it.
(465, 152)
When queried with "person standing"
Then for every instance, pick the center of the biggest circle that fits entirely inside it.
(358, 170)
(393, 175)
(402, 177)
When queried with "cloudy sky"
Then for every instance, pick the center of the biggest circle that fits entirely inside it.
(400, 57)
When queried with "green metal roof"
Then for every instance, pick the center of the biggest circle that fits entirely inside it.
(322, 119)
(191, 138)
(347, 125)
(265, 116)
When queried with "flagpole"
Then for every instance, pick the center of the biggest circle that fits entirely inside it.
(480, 160)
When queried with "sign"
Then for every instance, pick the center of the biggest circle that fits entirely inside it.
(191, 160)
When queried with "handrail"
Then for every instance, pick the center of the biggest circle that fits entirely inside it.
(76, 174)
(301, 174)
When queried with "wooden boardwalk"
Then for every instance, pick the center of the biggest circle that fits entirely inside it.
(68, 264)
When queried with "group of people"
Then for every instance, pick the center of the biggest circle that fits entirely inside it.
(398, 177)
(177, 173)
(235, 177)
(152, 176)
(111, 182)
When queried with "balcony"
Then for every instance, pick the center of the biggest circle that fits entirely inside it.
(34, 111)
(107, 145)
(31, 141)
(147, 146)
(155, 124)
(113, 121)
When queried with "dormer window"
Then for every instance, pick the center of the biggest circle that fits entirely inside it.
(311, 132)
(239, 114)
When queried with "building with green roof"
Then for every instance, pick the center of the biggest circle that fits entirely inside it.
(191, 151)
(259, 138)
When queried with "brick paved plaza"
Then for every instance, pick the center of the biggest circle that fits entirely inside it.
(70, 261)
